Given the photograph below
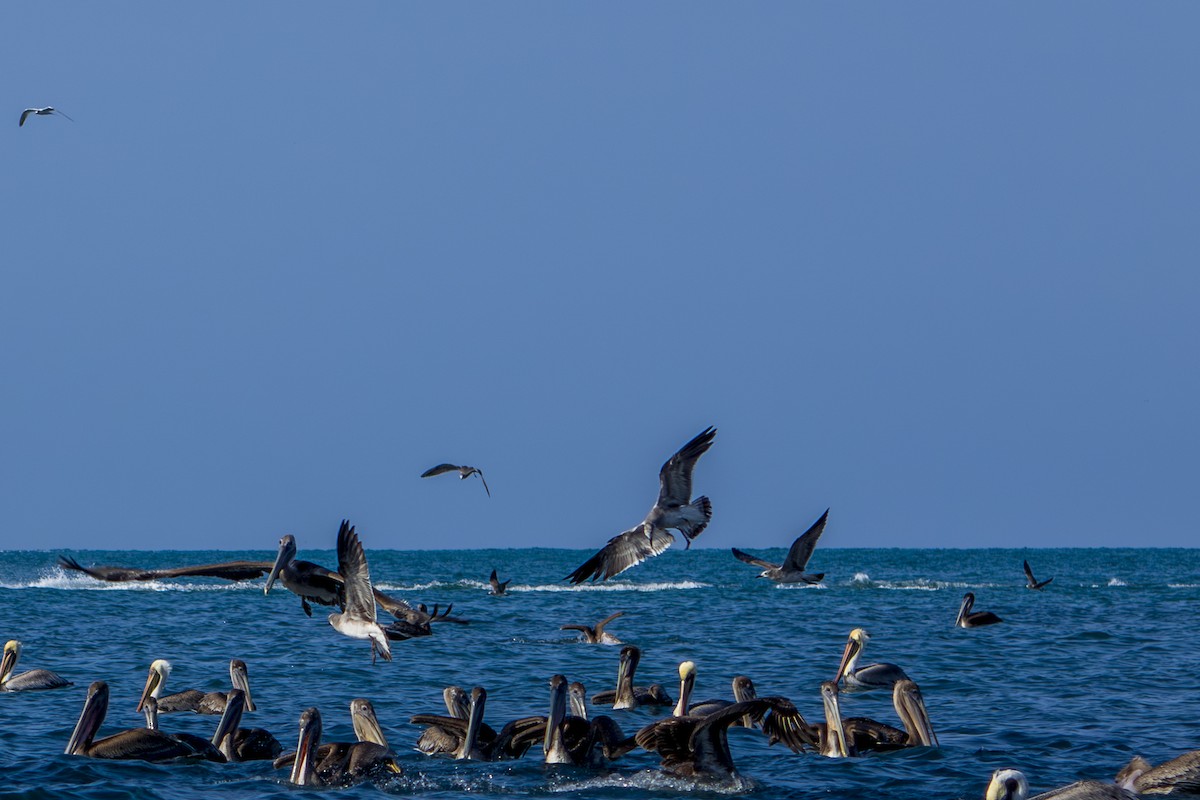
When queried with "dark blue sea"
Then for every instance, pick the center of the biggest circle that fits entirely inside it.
(1102, 665)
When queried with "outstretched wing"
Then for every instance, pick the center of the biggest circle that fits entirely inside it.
(25, 115)
(675, 477)
(742, 555)
(599, 629)
(802, 549)
(623, 551)
(441, 469)
(1029, 572)
(479, 472)
(352, 566)
(229, 570)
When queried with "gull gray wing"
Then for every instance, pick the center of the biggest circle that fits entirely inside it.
(440, 469)
(479, 472)
(802, 549)
(623, 551)
(352, 566)
(675, 477)
(742, 555)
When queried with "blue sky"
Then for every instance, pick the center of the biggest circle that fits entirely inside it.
(933, 265)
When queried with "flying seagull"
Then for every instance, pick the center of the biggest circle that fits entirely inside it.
(1032, 582)
(357, 620)
(41, 112)
(674, 509)
(792, 568)
(464, 472)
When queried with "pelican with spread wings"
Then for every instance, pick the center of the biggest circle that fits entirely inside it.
(674, 509)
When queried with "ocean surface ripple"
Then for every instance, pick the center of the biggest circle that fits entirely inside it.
(1102, 665)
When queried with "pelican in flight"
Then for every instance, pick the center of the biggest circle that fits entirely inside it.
(337, 763)
(498, 587)
(871, 676)
(597, 634)
(626, 695)
(474, 740)
(193, 699)
(1179, 775)
(464, 472)
(137, 744)
(1010, 784)
(308, 581)
(26, 681)
(229, 570)
(792, 568)
(41, 112)
(358, 620)
(1032, 582)
(674, 509)
(973, 619)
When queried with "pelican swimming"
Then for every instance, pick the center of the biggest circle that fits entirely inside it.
(871, 676)
(792, 568)
(743, 689)
(498, 587)
(26, 681)
(366, 730)
(474, 740)
(694, 746)
(339, 763)
(1032, 582)
(861, 734)
(435, 740)
(577, 694)
(200, 747)
(1179, 775)
(464, 472)
(243, 744)
(308, 581)
(973, 619)
(1010, 784)
(358, 620)
(41, 112)
(228, 570)
(674, 509)
(193, 699)
(596, 634)
(626, 695)
(573, 739)
(139, 744)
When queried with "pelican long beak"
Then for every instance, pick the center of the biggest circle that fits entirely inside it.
(849, 653)
(470, 749)
(366, 724)
(552, 742)
(287, 549)
(910, 705)
(90, 719)
(962, 610)
(833, 721)
(458, 705)
(235, 704)
(240, 678)
(743, 690)
(310, 738)
(687, 682)
(153, 681)
(9, 662)
(578, 697)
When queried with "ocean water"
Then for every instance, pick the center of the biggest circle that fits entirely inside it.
(1102, 665)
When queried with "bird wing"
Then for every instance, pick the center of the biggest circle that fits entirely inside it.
(439, 470)
(742, 555)
(352, 566)
(675, 477)
(479, 472)
(599, 629)
(1028, 572)
(802, 549)
(229, 570)
(494, 581)
(25, 115)
(56, 111)
(113, 574)
(623, 551)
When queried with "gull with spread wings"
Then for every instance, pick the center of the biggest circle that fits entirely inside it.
(464, 472)
(357, 619)
(674, 509)
(792, 568)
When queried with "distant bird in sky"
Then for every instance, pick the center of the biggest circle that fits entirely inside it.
(1032, 582)
(792, 568)
(41, 112)
(464, 472)
(674, 509)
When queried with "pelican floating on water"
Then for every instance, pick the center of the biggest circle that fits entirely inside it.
(743, 689)
(243, 744)
(1010, 784)
(626, 695)
(335, 763)
(792, 568)
(193, 699)
(498, 587)
(435, 740)
(860, 734)
(973, 619)
(474, 740)
(358, 620)
(1179, 775)
(464, 472)
(1032, 582)
(574, 739)
(41, 112)
(137, 744)
(871, 676)
(674, 509)
(26, 681)
(596, 634)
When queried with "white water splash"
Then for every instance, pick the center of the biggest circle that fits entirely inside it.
(613, 587)
(652, 780)
(1116, 582)
(861, 579)
(57, 578)
(790, 586)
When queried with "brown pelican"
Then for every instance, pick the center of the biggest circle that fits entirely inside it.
(626, 695)
(229, 570)
(200, 747)
(336, 763)
(743, 689)
(366, 730)
(139, 744)
(1010, 784)
(571, 739)
(861, 734)
(674, 509)
(358, 619)
(977, 619)
(792, 568)
(698, 746)
(871, 676)
(498, 587)
(26, 681)
(41, 112)
(577, 694)
(1180, 775)
(435, 740)
(596, 635)
(464, 472)
(193, 699)
(242, 744)
(309, 581)
(1032, 582)
(474, 740)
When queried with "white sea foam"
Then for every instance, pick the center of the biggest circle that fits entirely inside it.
(801, 586)
(861, 579)
(1183, 585)
(613, 587)
(1116, 582)
(58, 578)
(653, 780)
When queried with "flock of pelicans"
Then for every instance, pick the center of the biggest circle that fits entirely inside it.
(691, 743)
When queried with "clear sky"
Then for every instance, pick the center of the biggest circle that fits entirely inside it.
(934, 265)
